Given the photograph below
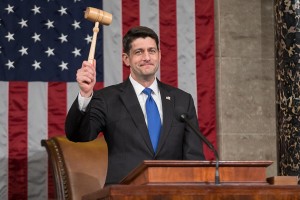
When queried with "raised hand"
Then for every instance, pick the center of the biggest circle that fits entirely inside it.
(86, 78)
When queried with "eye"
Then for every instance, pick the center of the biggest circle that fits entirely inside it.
(152, 51)
(138, 52)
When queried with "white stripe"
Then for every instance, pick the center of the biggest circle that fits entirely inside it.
(186, 49)
(112, 44)
(149, 16)
(72, 92)
(4, 140)
(37, 130)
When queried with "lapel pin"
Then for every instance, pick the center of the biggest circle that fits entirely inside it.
(168, 98)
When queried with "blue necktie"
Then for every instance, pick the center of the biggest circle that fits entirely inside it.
(153, 118)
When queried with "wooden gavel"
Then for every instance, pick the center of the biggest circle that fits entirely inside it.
(99, 17)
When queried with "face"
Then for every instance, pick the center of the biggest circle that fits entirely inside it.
(143, 59)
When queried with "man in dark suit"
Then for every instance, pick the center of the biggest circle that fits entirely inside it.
(120, 111)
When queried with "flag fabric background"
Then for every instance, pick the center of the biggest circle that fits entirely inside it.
(43, 43)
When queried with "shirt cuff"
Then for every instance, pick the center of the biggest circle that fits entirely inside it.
(83, 102)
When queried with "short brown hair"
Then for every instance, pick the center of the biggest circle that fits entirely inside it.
(138, 32)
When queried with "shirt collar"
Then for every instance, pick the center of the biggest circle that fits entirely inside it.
(138, 88)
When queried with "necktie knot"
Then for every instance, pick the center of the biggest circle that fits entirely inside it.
(147, 91)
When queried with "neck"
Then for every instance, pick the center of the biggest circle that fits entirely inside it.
(146, 82)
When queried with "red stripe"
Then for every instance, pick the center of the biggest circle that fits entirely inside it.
(98, 86)
(205, 61)
(57, 109)
(130, 18)
(168, 41)
(17, 146)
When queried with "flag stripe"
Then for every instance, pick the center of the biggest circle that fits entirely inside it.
(17, 129)
(112, 48)
(4, 140)
(167, 30)
(57, 105)
(130, 18)
(206, 71)
(186, 38)
(37, 130)
(149, 16)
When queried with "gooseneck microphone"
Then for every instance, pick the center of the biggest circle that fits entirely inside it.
(180, 115)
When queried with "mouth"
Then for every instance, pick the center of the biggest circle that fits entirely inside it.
(145, 64)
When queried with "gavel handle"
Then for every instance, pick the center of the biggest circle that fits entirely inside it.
(93, 44)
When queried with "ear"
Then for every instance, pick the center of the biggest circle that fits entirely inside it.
(125, 58)
(159, 55)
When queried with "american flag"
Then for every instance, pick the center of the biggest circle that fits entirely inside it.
(43, 43)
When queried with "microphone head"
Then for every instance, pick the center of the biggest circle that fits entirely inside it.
(180, 114)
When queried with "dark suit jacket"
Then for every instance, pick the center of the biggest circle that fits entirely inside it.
(116, 112)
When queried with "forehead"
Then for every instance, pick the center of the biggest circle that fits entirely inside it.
(143, 43)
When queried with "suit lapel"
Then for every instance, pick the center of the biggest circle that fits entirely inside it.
(129, 98)
(167, 100)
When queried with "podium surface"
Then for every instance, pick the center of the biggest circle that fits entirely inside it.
(194, 180)
(196, 192)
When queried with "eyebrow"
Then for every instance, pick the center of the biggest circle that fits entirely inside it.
(142, 49)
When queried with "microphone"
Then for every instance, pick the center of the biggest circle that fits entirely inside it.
(182, 116)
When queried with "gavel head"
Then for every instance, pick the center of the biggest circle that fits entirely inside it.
(96, 15)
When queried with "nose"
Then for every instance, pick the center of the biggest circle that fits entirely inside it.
(146, 55)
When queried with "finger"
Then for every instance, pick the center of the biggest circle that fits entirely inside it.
(89, 72)
(84, 79)
(86, 64)
(85, 74)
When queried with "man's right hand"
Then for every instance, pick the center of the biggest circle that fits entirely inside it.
(86, 78)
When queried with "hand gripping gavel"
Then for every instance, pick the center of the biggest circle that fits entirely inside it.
(99, 17)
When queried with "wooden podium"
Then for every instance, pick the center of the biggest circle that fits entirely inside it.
(201, 172)
(189, 180)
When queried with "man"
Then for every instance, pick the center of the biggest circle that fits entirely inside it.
(121, 111)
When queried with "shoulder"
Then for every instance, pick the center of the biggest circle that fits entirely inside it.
(114, 89)
(173, 90)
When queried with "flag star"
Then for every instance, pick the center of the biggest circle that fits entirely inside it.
(0, 49)
(63, 38)
(10, 36)
(10, 64)
(76, 52)
(76, 1)
(50, 52)
(36, 37)
(36, 9)
(76, 25)
(23, 23)
(62, 11)
(49, 24)
(88, 39)
(36, 65)
(9, 9)
(63, 66)
(23, 51)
